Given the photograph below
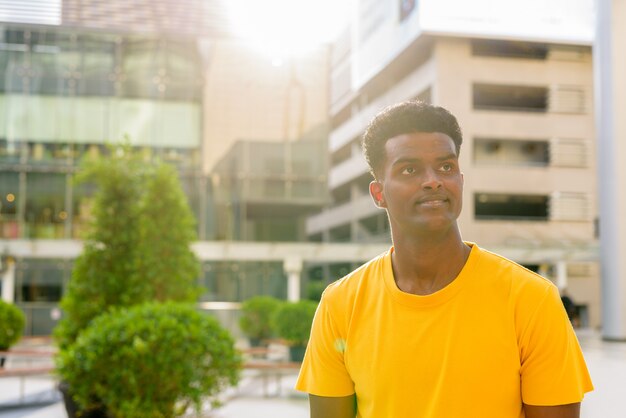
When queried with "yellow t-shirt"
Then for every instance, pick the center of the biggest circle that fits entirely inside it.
(496, 337)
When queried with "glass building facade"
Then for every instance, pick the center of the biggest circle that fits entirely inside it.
(65, 94)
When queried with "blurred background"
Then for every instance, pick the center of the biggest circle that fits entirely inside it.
(261, 105)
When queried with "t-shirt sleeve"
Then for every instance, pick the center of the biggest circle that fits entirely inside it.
(323, 371)
(553, 370)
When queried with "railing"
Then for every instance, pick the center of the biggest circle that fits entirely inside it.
(271, 363)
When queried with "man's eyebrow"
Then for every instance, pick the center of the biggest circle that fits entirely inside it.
(406, 161)
(450, 156)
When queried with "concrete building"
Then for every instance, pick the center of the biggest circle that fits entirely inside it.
(523, 94)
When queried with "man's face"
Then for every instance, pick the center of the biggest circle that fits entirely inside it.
(420, 183)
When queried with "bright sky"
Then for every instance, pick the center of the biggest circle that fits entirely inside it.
(281, 28)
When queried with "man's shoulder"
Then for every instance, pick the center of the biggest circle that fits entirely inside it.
(502, 268)
(349, 285)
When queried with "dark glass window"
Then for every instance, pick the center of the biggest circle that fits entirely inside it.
(45, 205)
(57, 63)
(509, 49)
(510, 98)
(41, 280)
(492, 206)
(9, 195)
(494, 151)
(238, 281)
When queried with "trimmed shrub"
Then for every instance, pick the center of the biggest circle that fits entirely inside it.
(11, 324)
(256, 316)
(314, 290)
(153, 360)
(293, 320)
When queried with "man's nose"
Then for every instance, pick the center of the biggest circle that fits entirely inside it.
(431, 179)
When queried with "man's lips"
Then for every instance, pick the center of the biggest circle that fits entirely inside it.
(434, 200)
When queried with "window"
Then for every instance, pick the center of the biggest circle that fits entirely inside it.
(510, 98)
(45, 205)
(236, 281)
(10, 151)
(509, 49)
(41, 280)
(9, 193)
(307, 189)
(193, 186)
(493, 151)
(156, 68)
(494, 206)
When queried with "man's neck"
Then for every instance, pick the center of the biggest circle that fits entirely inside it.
(424, 265)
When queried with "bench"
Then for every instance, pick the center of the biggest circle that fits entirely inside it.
(27, 353)
(26, 371)
(274, 369)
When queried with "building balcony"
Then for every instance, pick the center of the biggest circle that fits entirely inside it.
(358, 208)
(347, 171)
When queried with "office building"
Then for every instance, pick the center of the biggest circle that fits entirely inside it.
(520, 81)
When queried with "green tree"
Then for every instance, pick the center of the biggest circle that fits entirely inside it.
(137, 246)
(167, 229)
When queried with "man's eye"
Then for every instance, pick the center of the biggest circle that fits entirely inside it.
(447, 167)
(408, 170)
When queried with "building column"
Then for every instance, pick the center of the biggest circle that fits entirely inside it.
(293, 268)
(560, 269)
(610, 89)
(7, 276)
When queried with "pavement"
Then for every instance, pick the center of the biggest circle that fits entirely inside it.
(276, 398)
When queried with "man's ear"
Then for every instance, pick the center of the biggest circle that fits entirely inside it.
(376, 191)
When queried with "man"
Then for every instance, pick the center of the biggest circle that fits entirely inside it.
(437, 327)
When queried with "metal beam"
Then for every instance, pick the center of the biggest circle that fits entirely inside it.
(611, 174)
(306, 251)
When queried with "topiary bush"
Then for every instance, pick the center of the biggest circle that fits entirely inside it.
(256, 317)
(292, 321)
(152, 361)
(314, 290)
(11, 324)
